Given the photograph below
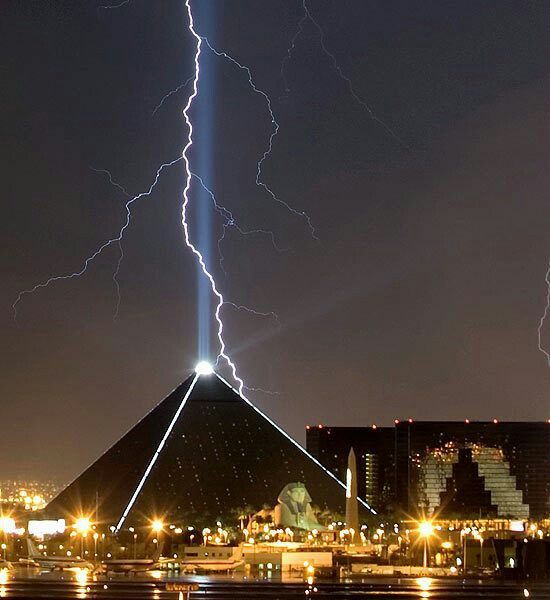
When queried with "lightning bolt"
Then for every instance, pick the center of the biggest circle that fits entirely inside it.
(274, 131)
(275, 125)
(230, 221)
(262, 391)
(119, 243)
(171, 93)
(227, 214)
(257, 313)
(224, 212)
(189, 176)
(115, 240)
(307, 16)
(290, 49)
(119, 5)
(112, 181)
(544, 315)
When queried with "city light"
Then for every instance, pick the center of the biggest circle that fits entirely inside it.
(7, 525)
(82, 525)
(157, 525)
(425, 529)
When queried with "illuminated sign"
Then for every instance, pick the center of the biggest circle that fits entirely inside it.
(517, 526)
(47, 527)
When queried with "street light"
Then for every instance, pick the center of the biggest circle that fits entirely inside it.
(82, 526)
(425, 531)
(425, 528)
(157, 526)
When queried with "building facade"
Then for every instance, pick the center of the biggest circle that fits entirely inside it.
(452, 469)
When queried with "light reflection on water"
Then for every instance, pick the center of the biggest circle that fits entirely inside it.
(424, 583)
(4, 578)
(81, 576)
(85, 584)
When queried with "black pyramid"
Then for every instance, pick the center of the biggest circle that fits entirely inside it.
(202, 452)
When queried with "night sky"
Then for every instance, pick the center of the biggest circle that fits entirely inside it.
(422, 295)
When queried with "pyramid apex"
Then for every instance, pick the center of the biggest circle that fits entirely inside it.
(204, 368)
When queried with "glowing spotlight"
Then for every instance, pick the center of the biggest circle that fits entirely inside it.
(204, 368)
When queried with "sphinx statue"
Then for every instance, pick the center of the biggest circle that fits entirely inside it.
(294, 508)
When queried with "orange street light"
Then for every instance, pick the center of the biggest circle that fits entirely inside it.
(425, 530)
(157, 525)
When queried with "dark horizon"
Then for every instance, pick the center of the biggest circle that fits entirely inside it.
(422, 296)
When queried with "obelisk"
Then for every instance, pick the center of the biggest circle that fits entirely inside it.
(352, 508)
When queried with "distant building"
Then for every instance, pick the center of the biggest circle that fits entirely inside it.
(455, 469)
(373, 448)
